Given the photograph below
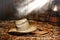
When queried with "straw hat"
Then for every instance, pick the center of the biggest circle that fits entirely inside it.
(23, 26)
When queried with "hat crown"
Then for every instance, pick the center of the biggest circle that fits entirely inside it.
(22, 24)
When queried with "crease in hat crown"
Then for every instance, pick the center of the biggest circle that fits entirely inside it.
(21, 21)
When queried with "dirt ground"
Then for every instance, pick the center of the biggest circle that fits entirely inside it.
(52, 32)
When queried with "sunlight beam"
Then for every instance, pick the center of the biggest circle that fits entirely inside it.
(32, 6)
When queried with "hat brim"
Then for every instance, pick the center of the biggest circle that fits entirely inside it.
(31, 29)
